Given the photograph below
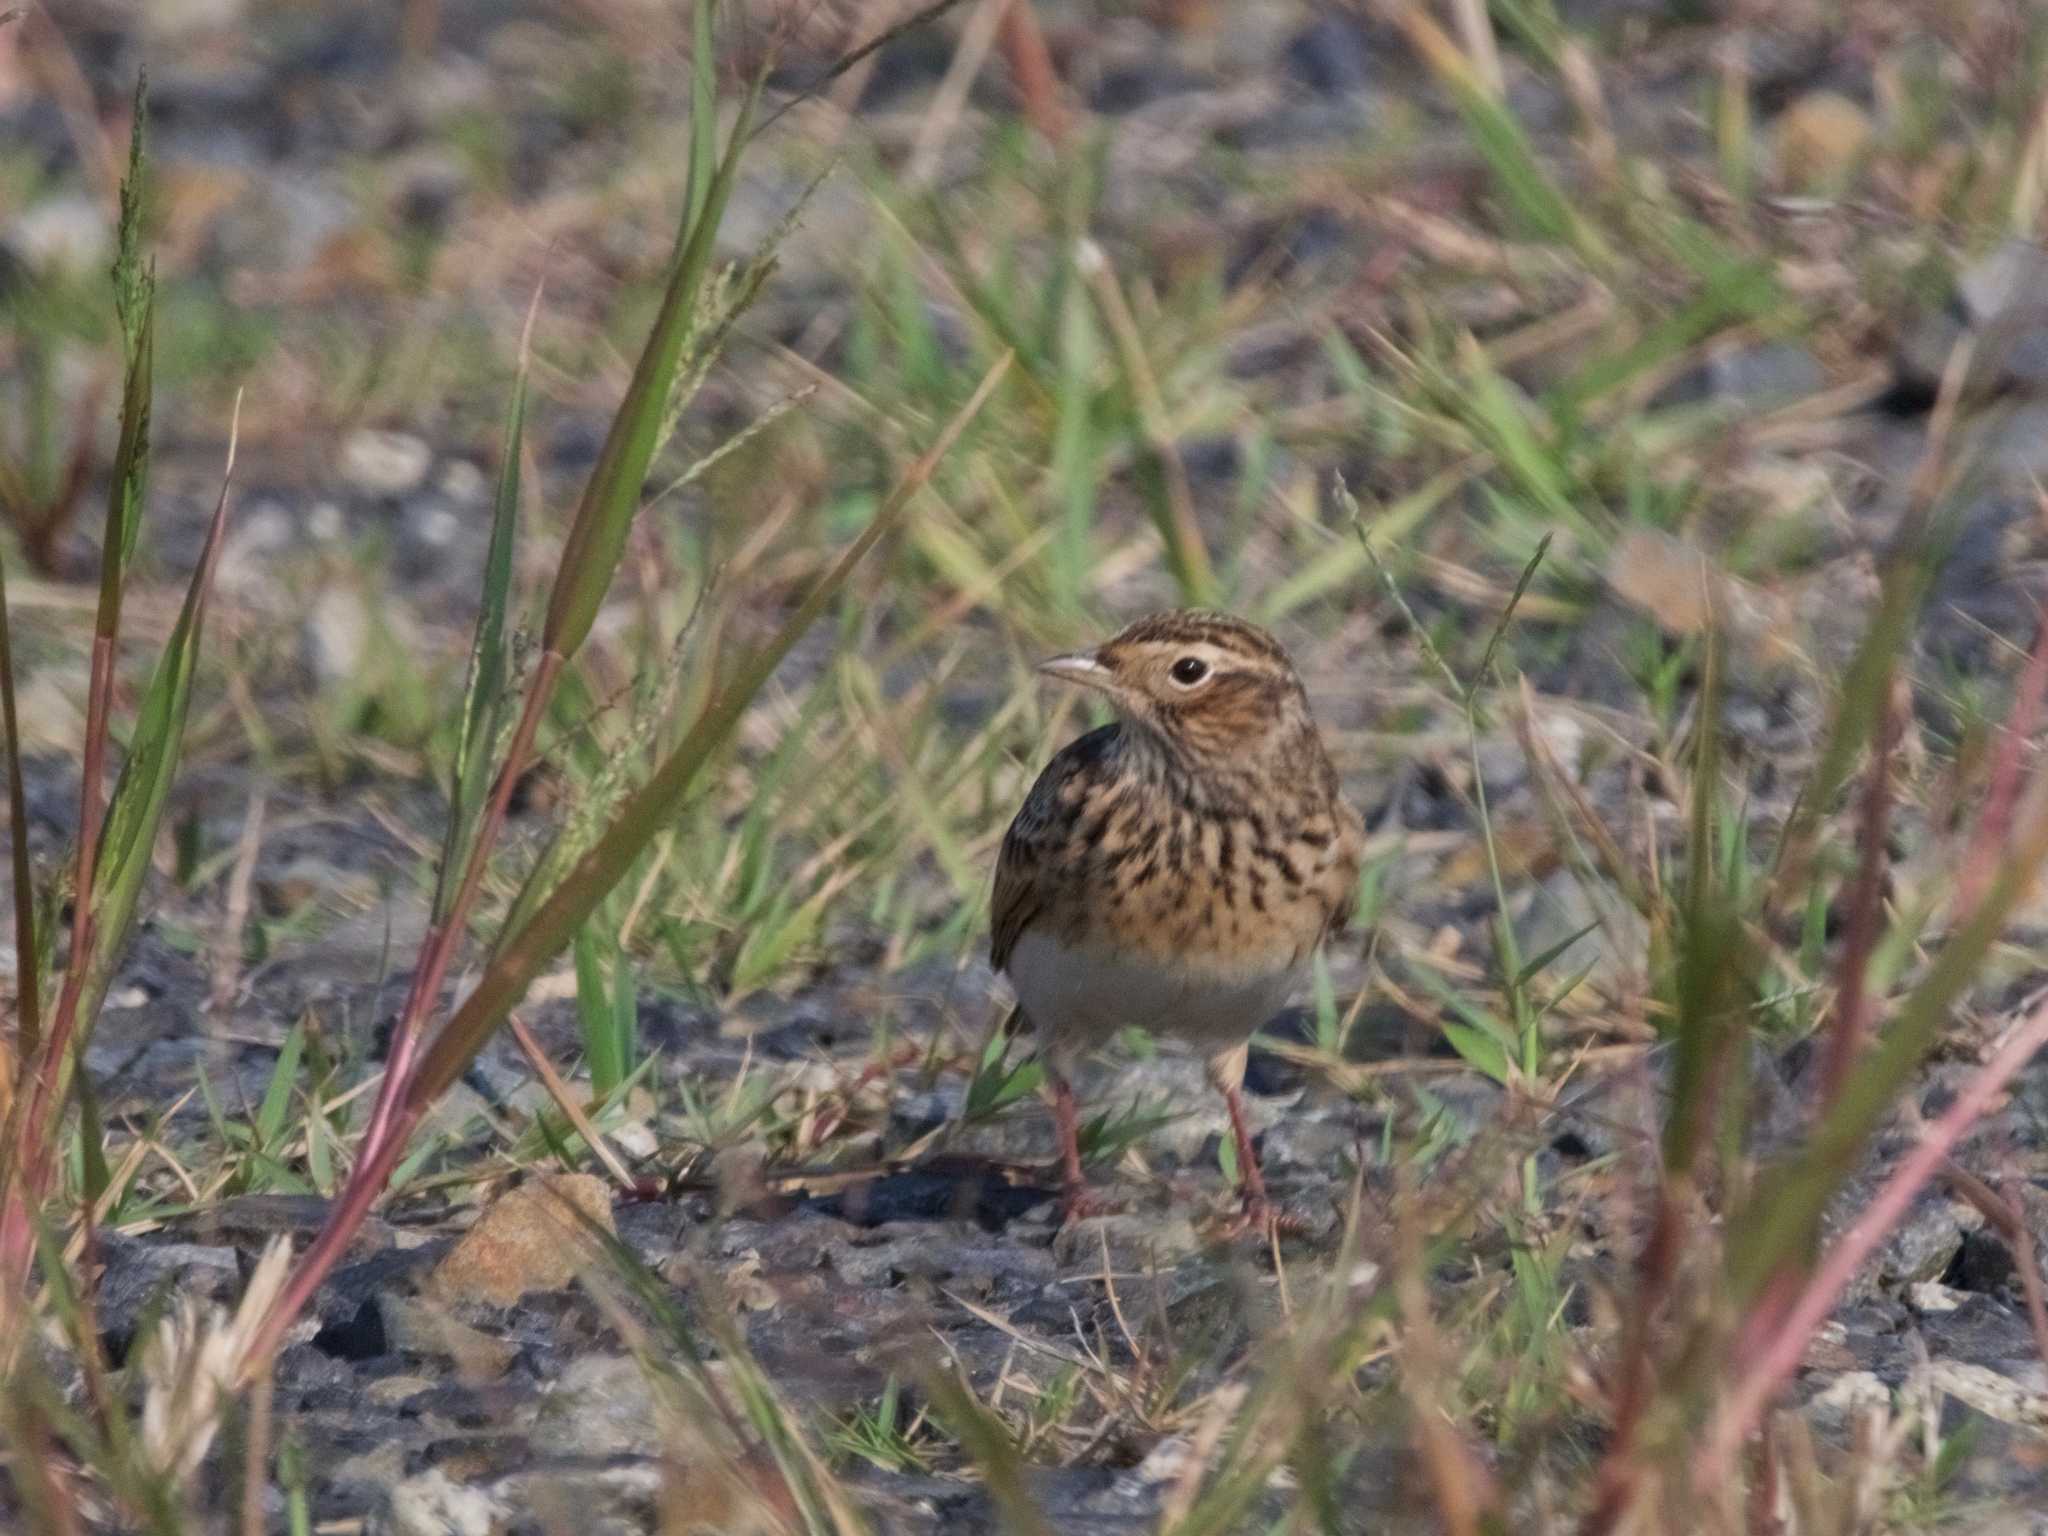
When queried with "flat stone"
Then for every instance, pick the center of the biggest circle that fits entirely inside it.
(433, 1504)
(2001, 303)
(601, 1405)
(526, 1241)
(385, 463)
(1924, 1243)
(138, 1272)
(381, 1466)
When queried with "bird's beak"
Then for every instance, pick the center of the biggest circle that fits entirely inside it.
(1080, 667)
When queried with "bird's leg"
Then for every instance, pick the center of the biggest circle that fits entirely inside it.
(1226, 1071)
(1256, 1205)
(1077, 1200)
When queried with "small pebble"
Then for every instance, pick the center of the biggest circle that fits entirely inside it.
(337, 634)
(385, 463)
(61, 234)
(462, 481)
(325, 522)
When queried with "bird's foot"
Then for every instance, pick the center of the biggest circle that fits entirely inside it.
(1260, 1217)
(1078, 1202)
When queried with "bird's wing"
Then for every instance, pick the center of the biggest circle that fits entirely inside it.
(1017, 899)
(1032, 848)
(1347, 854)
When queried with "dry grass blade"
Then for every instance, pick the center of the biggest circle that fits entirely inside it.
(1465, 1493)
(565, 1100)
(988, 1445)
(1500, 137)
(922, 17)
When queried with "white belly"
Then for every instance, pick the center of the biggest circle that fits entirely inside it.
(1078, 997)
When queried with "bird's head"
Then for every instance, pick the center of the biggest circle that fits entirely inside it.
(1207, 684)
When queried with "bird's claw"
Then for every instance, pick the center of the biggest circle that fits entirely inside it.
(1265, 1219)
(1079, 1202)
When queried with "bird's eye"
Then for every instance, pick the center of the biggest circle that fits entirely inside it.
(1190, 670)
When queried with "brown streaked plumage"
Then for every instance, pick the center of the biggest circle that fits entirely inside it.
(1177, 869)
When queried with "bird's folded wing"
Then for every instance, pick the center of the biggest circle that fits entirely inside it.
(1018, 896)
(1344, 858)
(1035, 846)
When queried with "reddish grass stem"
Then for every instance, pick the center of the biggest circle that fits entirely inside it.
(1615, 1483)
(439, 949)
(395, 1115)
(33, 1153)
(1766, 1371)
(1031, 67)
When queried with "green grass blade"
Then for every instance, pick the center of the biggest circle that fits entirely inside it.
(1536, 200)
(1741, 290)
(131, 474)
(484, 696)
(1864, 689)
(1483, 1041)
(1338, 564)
(145, 782)
(591, 552)
(1709, 963)
(703, 113)
(277, 1095)
(653, 806)
(1499, 418)
(601, 1044)
(134, 282)
(93, 1177)
(135, 305)
(29, 1029)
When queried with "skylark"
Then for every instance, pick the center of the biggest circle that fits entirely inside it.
(1177, 869)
